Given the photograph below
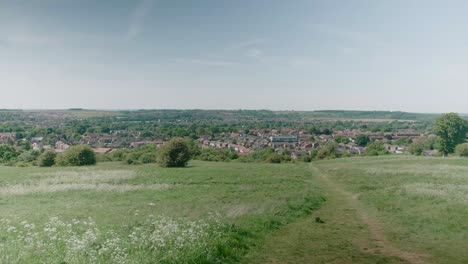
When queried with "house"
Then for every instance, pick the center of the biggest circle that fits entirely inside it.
(283, 141)
(395, 149)
(61, 147)
(309, 145)
(137, 144)
(5, 138)
(36, 146)
(326, 138)
(37, 139)
(241, 150)
(102, 150)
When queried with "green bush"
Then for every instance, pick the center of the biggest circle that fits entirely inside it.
(47, 158)
(143, 154)
(174, 154)
(376, 148)
(28, 156)
(213, 154)
(80, 155)
(258, 155)
(7, 153)
(132, 158)
(417, 148)
(148, 157)
(462, 150)
(328, 151)
(100, 157)
(362, 140)
(118, 155)
(274, 158)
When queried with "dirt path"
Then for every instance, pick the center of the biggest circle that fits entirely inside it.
(376, 230)
(348, 235)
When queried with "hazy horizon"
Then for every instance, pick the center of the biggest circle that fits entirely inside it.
(227, 55)
(212, 109)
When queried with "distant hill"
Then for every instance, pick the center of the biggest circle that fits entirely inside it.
(374, 114)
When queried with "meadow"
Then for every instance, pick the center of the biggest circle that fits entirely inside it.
(419, 203)
(113, 213)
(354, 210)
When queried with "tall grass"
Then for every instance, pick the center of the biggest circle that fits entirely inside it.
(155, 240)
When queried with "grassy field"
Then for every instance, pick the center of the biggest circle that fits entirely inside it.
(421, 203)
(381, 210)
(112, 213)
(356, 210)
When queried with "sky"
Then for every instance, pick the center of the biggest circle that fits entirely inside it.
(399, 55)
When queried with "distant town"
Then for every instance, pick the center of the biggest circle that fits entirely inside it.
(293, 135)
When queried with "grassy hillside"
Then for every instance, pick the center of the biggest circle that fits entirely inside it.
(380, 210)
(376, 210)
(207, 213)
(422, 203)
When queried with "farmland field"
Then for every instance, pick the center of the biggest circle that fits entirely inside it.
(354, 210)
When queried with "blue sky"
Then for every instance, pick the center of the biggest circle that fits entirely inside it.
(244, 54)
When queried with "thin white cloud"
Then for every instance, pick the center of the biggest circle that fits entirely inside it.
(137, 18)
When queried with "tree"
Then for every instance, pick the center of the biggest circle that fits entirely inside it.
(80, 155)
(362, 140)
(47, 159)
(175, 153)
(376, 148)
(451, 129)
(328, 151)
(7, 153)
(417, 148)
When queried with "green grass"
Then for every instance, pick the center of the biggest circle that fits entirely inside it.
(421, 203)
(375, 210)
(249, 199)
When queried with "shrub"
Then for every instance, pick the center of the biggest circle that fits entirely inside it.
(462, 150)
(213, 154)
(313, 153)
(258, 155)
(148, 157)
(28, 156)
(118, 155)
(328, 151)
(376, 148)
(274, 158)
(175, 153)
(132, 158)
(7, 153)
(143, 154)
(417, 148)
(80, 155)
(100, 157)
(362, 140)
(47, 159)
